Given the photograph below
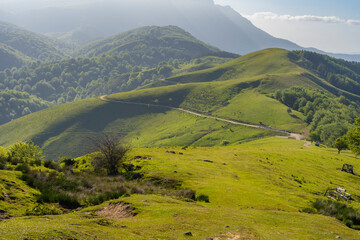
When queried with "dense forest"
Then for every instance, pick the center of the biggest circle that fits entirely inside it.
(340, 73)
(328, 117)
(15, 104)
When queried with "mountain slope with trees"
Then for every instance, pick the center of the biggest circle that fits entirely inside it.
(34, 46)
(120, 63)
(243, 89)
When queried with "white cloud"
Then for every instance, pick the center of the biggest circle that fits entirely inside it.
(306, 18)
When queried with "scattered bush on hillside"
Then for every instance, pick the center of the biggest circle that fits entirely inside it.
(341, 211)
(328, 117)
(203, 198)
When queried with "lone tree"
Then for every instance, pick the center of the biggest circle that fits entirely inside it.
(341, 144)
(111, 154)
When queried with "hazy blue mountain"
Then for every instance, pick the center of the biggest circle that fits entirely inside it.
(216, 25)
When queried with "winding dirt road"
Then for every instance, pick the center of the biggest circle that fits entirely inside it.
(292, 135)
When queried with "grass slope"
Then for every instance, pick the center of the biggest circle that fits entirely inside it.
(256, 191)
(15, 196)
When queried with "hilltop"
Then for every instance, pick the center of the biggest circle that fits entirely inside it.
(241, 90)
(156, 43)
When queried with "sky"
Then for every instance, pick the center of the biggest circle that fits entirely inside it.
(329, 25)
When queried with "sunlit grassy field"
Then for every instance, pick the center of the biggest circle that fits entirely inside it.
(256, 191)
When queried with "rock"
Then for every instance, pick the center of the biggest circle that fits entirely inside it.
(138, 157)
(227, 226)
(337, 237)
(209, 161)
(123, 226)
(173, 152)
(181, 153)
(188, 234)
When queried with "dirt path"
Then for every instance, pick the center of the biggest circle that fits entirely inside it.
(292, 135)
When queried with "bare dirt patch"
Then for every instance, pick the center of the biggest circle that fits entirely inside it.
(246, 235)
(116, 211)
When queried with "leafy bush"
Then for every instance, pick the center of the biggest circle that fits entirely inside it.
(203, 198)
(25, 152)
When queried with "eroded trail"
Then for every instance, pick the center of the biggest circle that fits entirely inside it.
(293, 135)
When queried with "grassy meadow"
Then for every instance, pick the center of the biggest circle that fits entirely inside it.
(256, 190)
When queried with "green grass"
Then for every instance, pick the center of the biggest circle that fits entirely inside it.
(257, 189)
(246, 107)
(15, 196)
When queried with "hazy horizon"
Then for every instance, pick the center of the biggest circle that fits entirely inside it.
(334, 28)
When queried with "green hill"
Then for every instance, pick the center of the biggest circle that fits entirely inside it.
(151, 45)
(11, 58)
(259, 190)
(242, 90)
(30, 44)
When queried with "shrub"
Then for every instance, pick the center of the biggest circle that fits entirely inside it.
(111, 154)
(23, 167)
(203, 198)
(186, 193)
(51, 164)
(25, 151)
(341, 211)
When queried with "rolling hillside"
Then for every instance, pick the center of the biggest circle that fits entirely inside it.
(11, 58)
(259, 190)
(32, 45)
(240, 90)
(119, 63)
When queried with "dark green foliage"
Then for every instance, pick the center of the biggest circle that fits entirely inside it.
(203, 198)
(51, 164)
(328, 117)
(14, 104)
(341, 211)
(353, 137)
